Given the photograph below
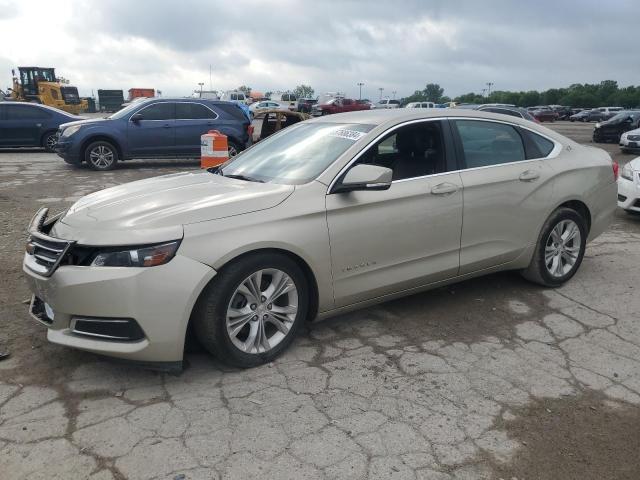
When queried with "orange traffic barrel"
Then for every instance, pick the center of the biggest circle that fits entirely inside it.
(214, 149)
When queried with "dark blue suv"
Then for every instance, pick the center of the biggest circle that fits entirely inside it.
(152, 128)
(30, 125)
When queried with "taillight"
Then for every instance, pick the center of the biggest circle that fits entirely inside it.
(616, 169)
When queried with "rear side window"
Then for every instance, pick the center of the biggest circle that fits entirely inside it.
(25, 112)
(233, 110)
(193, 111)
(488, 143)
(537, 145)
(159, 111)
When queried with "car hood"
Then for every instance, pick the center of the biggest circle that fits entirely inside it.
(635, 164)
(87, 121)
(158, 207)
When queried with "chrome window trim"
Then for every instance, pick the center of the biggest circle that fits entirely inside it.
(557, 148)
(197, 103)
(175, 102)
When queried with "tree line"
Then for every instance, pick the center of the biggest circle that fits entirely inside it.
(584, 95)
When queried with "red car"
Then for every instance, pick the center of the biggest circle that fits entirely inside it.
(545, 115)
(338, 105)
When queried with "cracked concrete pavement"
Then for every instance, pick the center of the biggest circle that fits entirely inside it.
(426, 387)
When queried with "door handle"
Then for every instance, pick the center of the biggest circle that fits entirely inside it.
(444, 189)
(529, 176)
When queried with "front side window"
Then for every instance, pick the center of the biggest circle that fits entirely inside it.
(411, 151)
(298, 154)
(159, 111)
(193, 111)
(489, 143)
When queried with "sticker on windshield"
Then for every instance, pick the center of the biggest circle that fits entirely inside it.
(348, 134)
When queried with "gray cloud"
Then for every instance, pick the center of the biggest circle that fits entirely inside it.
(334, 44)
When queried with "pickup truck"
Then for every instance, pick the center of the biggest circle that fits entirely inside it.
(338, 105)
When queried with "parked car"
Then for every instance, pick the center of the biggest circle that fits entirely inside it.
(149, 129)
(338, 105)
(629, 187)
(286, 100)
(630, 141)
(268, 122)
(264, 105)
(563, 112)
(609, 112)
(234, 96)
(544, 115)
(311, 223)
(305, 104)
(507, 110)
(387, 103)
(420, 105)
(611, 130)
(582, 116)
(25, 124)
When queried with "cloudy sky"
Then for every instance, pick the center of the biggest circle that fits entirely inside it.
(330, 44)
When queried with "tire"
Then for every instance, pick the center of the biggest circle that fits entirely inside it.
(233, 147)
(49, 141)
(221, 305)
(101, 156)
(539, 270)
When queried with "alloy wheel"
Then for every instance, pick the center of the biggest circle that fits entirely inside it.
(262, 311)
(101, 156)
(50, 142)
(562, 248)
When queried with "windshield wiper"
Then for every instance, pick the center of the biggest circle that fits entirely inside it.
(241, 177)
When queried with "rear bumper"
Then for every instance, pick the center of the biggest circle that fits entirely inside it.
(159, 299)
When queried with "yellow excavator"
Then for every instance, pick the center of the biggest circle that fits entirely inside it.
(40, 85)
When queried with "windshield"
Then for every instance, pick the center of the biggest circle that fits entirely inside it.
(620, 117)
(126, 110)
(297, 154)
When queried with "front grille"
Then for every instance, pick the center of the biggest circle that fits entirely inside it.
(44, 253)
(637, 203)
(633, 138)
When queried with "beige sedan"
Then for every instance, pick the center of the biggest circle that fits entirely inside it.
(329, 215)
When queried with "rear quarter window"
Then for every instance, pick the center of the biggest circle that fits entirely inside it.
(537, 145)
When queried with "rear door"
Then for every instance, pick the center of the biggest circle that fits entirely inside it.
(154, 134)
(507, 190)
(192, 120)
(23, 125)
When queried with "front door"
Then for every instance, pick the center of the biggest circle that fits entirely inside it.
(404, 237)
(508, 190)
(154, 133)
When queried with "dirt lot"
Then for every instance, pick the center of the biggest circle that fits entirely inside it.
(491, 378)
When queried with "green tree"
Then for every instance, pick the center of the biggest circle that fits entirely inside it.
(303, 91)
(246, 90)
(433, 92)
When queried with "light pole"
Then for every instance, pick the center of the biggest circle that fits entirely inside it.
(489, 84)
(201, 84)
(381, 90)
(360, 84)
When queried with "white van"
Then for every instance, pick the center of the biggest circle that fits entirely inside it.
(234, 96)
(286, 100)
(420, 105)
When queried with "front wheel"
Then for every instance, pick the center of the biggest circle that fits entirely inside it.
(560, 249)
(101, 156)
(251, 311)
(49, 141)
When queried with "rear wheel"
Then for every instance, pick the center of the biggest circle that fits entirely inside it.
(49, 141)
(560, 249)
(233, 149)
(101, 155)
(251, 311)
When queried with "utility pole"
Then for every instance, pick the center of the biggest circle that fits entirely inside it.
(484, 92)
(381, 90)
(489, 84)
(360, 84)
(201, 84)
(394, 94)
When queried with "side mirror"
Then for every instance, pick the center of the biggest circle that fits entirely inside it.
(136, 117)
(365, 177)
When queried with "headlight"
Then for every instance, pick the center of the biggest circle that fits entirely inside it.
(67, 132)
(627, 172)
(147, 256)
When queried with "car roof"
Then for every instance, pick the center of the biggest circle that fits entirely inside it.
(38, 105)
(389, 117)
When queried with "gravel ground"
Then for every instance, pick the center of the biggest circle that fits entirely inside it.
(490, 378)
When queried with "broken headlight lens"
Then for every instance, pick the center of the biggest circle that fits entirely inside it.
(147, 256)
